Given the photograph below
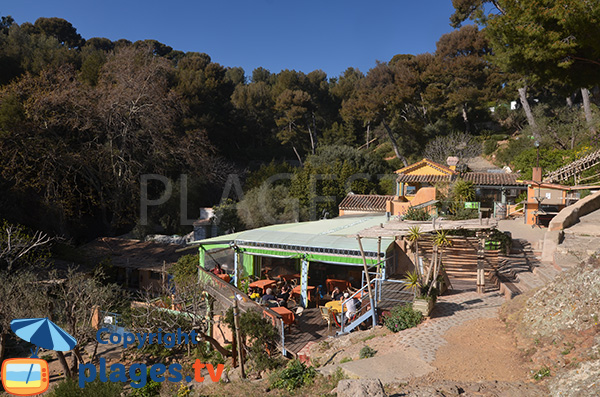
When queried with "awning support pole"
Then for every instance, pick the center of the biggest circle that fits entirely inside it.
(373, 308)
(304, 283)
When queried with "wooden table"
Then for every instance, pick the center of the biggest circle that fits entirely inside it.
(309, 291)
(331, 283)
(289, 277)
(286, 315)
(262, 284)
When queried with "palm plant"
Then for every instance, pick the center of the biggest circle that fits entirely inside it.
(414, 234)
(440, 241)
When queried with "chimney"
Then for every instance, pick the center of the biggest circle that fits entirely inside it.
(536, 174)
(452, 162)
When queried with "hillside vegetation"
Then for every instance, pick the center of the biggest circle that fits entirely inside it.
(92, 128)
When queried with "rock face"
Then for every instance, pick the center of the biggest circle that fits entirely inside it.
(360, 388)
(582, 381)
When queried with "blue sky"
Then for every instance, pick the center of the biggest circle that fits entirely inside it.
(331, 35)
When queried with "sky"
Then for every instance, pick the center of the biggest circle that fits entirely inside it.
(330, 35)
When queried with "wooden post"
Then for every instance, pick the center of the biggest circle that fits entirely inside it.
(481, 263)
(362, 252)
(236, 323)
(379, 255)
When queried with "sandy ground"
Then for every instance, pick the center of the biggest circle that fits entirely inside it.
(480, 350)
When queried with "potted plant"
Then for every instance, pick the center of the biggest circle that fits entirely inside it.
(425, 294)
(426, 286)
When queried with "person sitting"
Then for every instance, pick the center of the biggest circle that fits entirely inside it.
(336, 294)
(349, 306)
(217, 269)
(284, 295)
(268, 297)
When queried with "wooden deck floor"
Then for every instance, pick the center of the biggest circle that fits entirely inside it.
(310, 327)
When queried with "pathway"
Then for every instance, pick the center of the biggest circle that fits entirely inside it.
(409, 353)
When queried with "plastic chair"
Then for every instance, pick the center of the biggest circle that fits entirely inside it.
(327, 315)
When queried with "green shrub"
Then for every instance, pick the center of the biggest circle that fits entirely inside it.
(541, 373)
(462, 213)
(150, 389)
(70, 388)
(402, 317)
(293, 376)
(489, 147)
(366, 352)
(416, 214)
(345, 360)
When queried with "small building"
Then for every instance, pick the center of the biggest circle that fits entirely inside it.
(364, 204)
(545, 200)
(140, 265)
(494, 189)
(205, 227)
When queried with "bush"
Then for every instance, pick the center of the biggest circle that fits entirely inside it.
(402, 317)
(462, 213)
(416, 214)
(70, 388)
(489, 147)
(366, 352)
(293, 376)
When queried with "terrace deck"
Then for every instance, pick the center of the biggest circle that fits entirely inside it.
(310, 327)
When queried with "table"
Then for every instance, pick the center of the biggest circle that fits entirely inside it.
(331, 283)
(309, 291)
(262, 284)
(335, 305)
(286, 315)
(289, 277)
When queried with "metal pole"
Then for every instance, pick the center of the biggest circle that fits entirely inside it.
(362, 252)
(236, 323)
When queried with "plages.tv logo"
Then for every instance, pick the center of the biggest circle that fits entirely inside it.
(30, 376)
(139, 372)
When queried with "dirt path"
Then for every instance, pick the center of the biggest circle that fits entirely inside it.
(480, 350)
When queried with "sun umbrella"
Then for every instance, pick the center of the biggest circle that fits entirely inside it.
(43, 333)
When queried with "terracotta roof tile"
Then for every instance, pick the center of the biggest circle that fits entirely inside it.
(423, 178)
(491, 178)
(478, 178)
(365, 202)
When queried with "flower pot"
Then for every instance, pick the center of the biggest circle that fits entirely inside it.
(424, 306)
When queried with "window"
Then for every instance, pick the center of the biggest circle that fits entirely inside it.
(155, 276)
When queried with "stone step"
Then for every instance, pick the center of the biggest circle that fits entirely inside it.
(545, 273)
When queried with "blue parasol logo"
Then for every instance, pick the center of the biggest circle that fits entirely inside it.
(43, 333)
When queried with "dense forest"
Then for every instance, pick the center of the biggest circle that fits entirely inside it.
(83, 120)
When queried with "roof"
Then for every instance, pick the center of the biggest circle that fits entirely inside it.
(424, 178)
(411, 168)
(365, 202)
(338, 233)
(493, 178)
(478, 178)
(405, 175)
(132, 253)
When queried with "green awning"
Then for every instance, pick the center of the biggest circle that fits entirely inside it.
(328, 240)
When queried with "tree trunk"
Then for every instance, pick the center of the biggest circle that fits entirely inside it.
(585, 94)
(394, 143)
(297, 155)
(368, 133)
(65, 365)
(78, 355)
(528, 113)
(466, 119)
(215, 344)
(2, 346)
